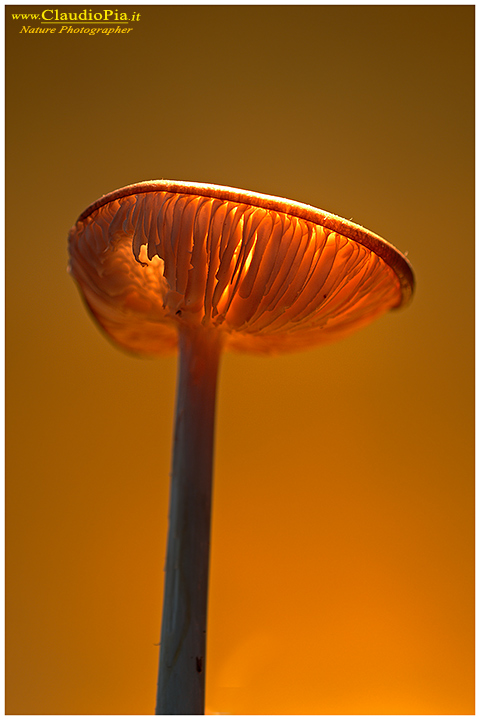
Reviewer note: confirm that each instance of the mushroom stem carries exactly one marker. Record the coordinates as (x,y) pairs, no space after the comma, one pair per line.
(181,675)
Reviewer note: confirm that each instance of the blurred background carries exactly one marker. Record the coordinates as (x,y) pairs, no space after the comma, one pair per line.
(342,549)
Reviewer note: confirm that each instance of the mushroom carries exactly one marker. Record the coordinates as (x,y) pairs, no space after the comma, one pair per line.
(205,267)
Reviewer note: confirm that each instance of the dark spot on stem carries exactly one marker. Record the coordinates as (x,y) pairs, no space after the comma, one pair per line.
(199,661)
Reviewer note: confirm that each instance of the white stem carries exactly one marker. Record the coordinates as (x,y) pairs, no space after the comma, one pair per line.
(181,675)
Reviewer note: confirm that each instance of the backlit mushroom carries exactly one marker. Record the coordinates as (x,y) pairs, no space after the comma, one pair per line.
(206,267)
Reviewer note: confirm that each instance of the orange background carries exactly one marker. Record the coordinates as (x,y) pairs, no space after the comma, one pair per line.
(342,557)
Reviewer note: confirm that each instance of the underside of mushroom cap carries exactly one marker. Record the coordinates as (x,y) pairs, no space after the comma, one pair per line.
(269,273)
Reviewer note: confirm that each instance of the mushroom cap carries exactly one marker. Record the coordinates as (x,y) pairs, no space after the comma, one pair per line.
(270,274)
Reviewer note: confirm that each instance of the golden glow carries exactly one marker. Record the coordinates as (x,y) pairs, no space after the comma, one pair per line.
(248,260)
(342,572)
(143,257)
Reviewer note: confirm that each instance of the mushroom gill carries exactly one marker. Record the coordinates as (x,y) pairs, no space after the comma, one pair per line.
(269,279)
